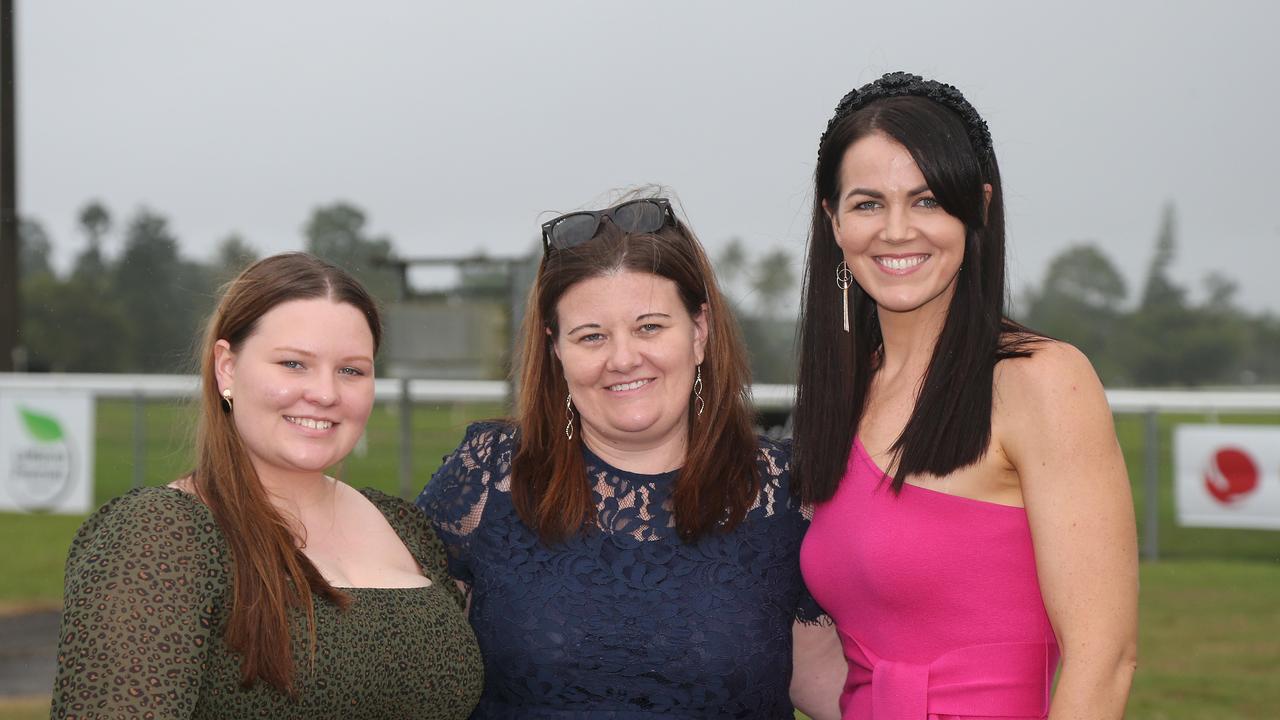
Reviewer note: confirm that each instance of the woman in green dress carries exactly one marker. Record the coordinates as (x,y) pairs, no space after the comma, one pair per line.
(257,585)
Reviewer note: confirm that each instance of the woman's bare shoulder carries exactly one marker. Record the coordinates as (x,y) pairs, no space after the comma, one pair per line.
(1049,395)
(1049,366)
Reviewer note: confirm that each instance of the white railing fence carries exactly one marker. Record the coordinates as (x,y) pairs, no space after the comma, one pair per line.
(773,399)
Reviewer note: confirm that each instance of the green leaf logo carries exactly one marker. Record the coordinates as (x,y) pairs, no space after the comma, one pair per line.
(41,427)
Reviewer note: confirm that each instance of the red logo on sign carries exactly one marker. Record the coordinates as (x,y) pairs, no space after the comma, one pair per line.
(1231,475)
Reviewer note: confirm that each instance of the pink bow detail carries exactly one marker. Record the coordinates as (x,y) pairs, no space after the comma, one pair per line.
(997,680)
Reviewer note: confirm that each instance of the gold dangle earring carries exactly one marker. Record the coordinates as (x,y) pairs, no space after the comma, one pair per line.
(568,408)
(697,391)
(226,400)
(844,278)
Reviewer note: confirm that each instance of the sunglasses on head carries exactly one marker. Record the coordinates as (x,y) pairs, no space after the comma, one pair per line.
(634,216)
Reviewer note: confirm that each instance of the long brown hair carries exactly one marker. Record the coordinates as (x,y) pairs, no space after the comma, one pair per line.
(718,481)
(271,576)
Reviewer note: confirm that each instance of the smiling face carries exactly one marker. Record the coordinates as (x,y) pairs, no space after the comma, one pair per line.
(302,385)
(904,250)
(629,349)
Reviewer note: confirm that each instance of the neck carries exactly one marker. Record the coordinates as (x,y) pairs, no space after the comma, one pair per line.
(910,338)
(297,495)
(643,457)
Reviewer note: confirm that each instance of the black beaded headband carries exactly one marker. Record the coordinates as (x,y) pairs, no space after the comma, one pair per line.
(897,84)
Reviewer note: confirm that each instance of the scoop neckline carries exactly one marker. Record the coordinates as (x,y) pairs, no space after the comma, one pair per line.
(593,458)
(344,588)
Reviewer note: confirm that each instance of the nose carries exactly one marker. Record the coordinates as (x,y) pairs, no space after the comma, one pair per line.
(897,224)
(624,355)
(323,390)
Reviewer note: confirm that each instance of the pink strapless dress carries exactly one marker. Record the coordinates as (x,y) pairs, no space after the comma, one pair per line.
(935,598)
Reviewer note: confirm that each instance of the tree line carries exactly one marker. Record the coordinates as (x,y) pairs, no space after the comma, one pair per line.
(1161,338)
(139,309)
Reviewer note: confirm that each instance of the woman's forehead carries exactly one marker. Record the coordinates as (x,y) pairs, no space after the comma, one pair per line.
(626,294)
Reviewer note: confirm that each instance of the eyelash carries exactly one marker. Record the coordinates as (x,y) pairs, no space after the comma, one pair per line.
(647,328)
(297,365)
(929,203)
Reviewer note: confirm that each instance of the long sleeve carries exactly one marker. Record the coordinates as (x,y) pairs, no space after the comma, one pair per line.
(144,579)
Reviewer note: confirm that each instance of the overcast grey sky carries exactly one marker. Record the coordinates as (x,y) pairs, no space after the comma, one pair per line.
(457,125)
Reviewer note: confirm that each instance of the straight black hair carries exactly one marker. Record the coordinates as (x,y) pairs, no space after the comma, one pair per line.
(950,425)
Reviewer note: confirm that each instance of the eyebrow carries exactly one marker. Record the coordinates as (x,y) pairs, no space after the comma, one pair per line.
(596,326)
(299,351)
(308,353)
(879,195)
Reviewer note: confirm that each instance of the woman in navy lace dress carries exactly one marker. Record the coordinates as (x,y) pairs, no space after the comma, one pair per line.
(629,546)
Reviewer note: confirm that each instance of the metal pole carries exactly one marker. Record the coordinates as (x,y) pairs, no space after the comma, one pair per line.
(406,440)
(139,439)
(1151,526)
(8,194)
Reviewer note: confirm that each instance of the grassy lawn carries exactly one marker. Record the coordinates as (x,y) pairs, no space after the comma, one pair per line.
(24,708)
(1209,645)
(1210,631)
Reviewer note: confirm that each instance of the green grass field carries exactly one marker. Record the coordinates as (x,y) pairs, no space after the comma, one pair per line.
(1210,623)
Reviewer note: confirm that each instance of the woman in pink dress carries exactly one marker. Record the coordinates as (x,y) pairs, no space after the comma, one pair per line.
(973,523)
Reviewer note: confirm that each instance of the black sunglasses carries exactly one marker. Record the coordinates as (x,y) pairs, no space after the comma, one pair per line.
(634,216)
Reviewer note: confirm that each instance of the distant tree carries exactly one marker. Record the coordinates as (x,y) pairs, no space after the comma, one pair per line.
(336,232)
(1221,293)
(34,250)
(1157,329)
(95,223)
(1079,302)
(234,254)
(731,264)
(71,326)
(770,347)
(772,281)
(1262,364)
(1169,342)
(1160,291)
(161,295)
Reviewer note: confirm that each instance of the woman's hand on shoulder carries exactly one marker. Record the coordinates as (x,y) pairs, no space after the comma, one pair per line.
(1056,429)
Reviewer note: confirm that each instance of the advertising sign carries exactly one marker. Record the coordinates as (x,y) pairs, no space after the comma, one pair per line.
(46,451)
(1228,475)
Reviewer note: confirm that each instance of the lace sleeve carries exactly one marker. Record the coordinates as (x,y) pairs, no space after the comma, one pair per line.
(776,488)
(455,498)
(144,577)
(416,533)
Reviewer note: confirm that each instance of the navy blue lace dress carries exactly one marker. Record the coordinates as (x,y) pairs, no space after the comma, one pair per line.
(627,622)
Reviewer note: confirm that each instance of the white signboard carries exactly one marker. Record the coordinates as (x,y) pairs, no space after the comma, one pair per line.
(46,451)
(1228,475)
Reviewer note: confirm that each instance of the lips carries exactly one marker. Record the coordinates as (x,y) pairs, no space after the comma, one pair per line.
(633,385)
(310,423)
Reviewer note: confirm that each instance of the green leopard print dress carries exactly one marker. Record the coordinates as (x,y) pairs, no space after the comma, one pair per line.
(147,592)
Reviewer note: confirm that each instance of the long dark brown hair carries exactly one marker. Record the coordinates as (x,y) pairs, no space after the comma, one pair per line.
(271,576)
(718,482)
(950,426)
